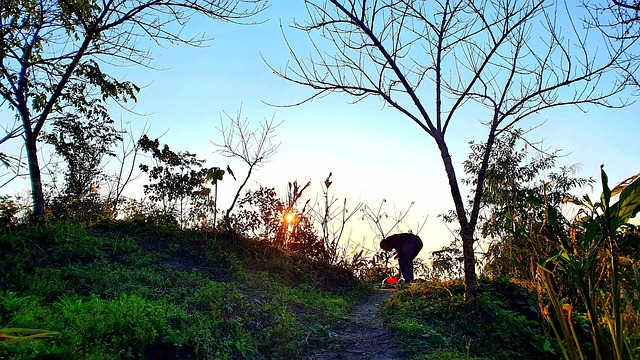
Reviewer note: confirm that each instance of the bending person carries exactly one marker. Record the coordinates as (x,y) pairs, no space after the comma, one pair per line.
(407,246)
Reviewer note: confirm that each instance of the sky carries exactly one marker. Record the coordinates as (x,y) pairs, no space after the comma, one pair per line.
(372,151)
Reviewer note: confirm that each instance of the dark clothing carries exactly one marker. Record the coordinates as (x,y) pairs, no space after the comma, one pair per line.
(408,246)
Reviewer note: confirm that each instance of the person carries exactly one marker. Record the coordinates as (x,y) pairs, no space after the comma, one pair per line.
(407,246)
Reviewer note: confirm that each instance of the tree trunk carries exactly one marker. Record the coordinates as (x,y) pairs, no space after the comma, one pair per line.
(467,227)
(227,215)
(37,193)
(470,280)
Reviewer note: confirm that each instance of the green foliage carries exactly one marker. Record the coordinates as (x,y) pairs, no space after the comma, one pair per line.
(9,210)
(255,325)
(10,301)
(305,295)
(83,144)
(91,286)
(433,317)
(122,326)
(450,355)
(590,271)
(50,53)
(42,47)
(377,271)
(179,183)
(518,189)
(149,215)
(446,263)
(26,251)
(86,210)
(263,215)
(599,261)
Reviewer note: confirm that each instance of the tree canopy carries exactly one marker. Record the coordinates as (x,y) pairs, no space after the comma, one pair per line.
(53,54)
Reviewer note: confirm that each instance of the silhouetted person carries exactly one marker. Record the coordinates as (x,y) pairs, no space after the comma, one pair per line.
(407,246)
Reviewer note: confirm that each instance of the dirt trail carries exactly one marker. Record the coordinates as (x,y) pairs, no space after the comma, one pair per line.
(364,336)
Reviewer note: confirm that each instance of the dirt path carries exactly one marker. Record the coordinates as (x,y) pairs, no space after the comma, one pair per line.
(364,336)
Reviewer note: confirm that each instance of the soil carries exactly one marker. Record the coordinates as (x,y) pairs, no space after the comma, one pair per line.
(363,336)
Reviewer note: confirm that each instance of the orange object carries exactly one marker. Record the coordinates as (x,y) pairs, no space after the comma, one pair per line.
(391,280)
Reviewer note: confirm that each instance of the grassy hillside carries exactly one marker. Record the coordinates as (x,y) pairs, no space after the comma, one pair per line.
(130,290)
(135,290)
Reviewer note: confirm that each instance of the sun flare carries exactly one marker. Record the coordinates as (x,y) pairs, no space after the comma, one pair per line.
(289,217)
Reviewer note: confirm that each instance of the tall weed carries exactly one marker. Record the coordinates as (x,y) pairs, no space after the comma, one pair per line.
(599,263)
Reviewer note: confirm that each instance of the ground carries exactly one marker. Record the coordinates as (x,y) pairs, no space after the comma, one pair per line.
(363,336)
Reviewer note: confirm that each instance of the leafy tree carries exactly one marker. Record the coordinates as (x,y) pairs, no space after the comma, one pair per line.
(9,209)
(260,214)
(83,145)
(447,263)
(499,60)
(518,190)
(264,216)
(51,54)
(179,181)
(99,162)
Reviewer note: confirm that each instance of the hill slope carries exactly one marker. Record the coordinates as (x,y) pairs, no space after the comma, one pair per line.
(135,291)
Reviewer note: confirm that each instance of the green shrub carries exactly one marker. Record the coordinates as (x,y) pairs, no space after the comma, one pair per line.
(10,302)
(433,316)
(9,211)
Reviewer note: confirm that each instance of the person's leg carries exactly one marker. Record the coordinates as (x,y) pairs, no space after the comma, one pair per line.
(406,268)
(406,254)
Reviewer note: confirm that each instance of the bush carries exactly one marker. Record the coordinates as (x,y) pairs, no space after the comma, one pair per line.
(9,211)
(434,316)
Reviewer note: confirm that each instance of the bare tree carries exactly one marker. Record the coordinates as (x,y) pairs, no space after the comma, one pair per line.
(51,52)
(618,21)
(332,217)
(504,60)
(125,166)
(252,146)
(384,222)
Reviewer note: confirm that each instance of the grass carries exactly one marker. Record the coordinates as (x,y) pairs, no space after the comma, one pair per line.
(433,321)
(131,291)
(135,290)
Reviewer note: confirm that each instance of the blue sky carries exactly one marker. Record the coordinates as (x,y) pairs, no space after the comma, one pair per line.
(373,152)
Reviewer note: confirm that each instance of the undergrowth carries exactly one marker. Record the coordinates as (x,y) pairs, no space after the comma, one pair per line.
(433,321)
(141,290)
(134,291)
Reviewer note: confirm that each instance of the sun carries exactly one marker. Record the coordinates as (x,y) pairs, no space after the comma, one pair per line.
(289,217)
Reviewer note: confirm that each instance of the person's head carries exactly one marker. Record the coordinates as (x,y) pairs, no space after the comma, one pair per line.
(385,245)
